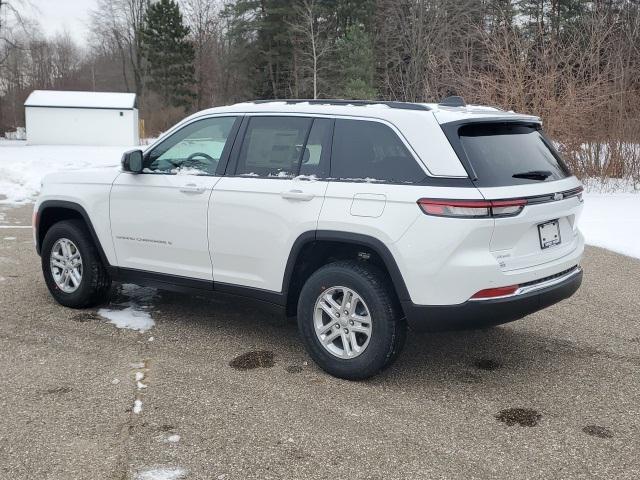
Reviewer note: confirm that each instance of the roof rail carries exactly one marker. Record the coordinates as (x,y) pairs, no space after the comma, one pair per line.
(453,101)
(328,101)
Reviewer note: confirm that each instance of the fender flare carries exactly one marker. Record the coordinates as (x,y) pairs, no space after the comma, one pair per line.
(48,204)
(368,241)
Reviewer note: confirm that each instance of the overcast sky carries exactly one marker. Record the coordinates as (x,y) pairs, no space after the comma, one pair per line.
(58,15)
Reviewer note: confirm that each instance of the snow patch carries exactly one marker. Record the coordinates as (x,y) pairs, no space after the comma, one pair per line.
(612,221)
(188,171)
(610,185)
(132,316)
(162,473)
(129,318)
(23,166)
(58,98)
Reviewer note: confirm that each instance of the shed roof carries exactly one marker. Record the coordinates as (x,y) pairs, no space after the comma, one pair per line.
(62,99)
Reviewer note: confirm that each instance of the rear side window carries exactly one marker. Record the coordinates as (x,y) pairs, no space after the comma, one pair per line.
(371,151)
(510,154)
(273,146)
(315,156)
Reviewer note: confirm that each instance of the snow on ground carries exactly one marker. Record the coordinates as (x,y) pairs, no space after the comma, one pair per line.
(175,438)
(129,318)
(22,166)
(612,221)
(162,473)
(131,313)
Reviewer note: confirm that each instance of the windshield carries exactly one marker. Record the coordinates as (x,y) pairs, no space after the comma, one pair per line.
(510,154)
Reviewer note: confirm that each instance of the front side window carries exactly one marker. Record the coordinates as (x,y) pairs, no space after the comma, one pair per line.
(371,151)
(195,149)
(273,146)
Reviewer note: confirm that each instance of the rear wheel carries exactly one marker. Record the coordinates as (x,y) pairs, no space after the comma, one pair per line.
(72,267)
(349,320)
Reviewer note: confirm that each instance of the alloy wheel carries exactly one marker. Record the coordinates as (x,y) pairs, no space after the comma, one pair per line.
(342,322)
(66,265)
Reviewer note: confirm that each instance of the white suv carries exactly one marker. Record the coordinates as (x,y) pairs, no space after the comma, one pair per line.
(359,217)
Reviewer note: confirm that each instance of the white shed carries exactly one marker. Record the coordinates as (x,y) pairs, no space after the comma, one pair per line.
(81,118)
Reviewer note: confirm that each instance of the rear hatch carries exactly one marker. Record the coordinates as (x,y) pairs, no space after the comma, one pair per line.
(513,159)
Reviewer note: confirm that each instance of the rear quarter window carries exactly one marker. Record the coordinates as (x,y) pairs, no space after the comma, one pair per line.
(502,154)
(371,151)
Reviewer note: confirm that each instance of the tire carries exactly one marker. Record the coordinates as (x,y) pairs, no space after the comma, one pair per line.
(94,285)
(387,326)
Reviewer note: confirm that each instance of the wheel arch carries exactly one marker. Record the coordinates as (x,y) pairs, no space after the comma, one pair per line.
(311,249)
(51,212)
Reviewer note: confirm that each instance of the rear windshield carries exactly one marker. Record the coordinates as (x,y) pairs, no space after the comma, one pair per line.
(510,154)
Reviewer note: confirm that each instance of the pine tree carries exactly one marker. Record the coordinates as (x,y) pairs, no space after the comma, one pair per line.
(169,53)
(355,52)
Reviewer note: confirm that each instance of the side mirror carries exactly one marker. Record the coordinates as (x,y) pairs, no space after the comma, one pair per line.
(132,161)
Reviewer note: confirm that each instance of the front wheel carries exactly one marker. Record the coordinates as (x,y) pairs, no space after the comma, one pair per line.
(349,320)
(72,267)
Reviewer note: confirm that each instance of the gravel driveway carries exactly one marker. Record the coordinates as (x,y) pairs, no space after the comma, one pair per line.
(222,389)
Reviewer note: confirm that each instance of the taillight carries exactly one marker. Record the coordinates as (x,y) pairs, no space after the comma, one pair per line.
(471,208)
(506,208)
(495,292)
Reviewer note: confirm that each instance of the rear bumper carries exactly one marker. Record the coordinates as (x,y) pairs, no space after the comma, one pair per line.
(477,314)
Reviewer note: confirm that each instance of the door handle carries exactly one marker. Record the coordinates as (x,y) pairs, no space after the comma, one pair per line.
(192,188)
(297,195)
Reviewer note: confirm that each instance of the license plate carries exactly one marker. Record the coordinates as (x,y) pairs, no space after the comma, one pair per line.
(549,234)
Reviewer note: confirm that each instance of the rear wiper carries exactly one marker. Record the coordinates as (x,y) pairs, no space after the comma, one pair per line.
(534,175)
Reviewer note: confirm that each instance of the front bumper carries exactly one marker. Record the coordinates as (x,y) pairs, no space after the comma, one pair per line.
(478,314)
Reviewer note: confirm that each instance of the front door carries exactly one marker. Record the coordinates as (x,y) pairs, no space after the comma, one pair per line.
(159,216)
(272,194)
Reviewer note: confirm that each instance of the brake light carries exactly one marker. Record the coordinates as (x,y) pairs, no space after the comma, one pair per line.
(472,208)
(495,292)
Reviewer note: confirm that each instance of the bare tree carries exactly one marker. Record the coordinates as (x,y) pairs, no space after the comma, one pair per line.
(12,22)
(202,16)
(315,44)
(116,26)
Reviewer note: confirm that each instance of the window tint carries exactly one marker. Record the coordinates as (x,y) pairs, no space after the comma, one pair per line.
(273,146)
(497,152)
(315,155)
(194,149)
(371,150)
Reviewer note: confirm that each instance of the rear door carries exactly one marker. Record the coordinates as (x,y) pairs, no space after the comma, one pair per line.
(514,160)
(271,194)
(369,162)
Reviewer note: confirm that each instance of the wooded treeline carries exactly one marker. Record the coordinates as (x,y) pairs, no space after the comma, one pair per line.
(574,63)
